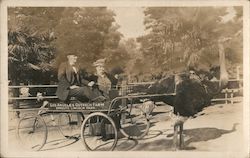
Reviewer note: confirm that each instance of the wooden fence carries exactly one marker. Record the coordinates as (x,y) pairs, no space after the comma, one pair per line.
(229,94)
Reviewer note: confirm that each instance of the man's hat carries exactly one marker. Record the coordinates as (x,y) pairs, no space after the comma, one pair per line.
(71,54)
(100,62)
(192,72)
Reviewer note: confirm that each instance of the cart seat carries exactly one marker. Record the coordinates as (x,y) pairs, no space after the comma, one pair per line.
(113,93)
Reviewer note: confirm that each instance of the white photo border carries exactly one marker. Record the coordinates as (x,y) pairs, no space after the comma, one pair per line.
(5,152)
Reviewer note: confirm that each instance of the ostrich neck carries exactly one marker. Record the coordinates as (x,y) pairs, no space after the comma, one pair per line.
(213,87)
(223,71)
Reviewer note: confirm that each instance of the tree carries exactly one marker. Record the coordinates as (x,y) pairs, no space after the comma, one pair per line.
(181,37)
(28,54)
(31,44)
(89,32)
(115,51)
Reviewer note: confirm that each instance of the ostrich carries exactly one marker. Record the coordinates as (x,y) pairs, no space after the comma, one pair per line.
(192,95)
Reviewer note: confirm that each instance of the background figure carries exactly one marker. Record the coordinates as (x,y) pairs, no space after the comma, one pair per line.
(73,84)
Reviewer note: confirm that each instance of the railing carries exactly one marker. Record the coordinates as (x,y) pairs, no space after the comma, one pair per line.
(229,96)
(32,97)
(125,88)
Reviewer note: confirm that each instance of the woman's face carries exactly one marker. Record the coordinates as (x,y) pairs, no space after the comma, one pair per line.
(100,70)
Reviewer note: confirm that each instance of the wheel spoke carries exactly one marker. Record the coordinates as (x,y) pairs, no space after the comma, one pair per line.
(99,132)
(135,125)
(32,132)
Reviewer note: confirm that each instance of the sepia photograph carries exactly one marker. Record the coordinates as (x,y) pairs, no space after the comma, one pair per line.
(125,79)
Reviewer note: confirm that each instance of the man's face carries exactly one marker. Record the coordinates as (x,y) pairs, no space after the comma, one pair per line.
(72,59)
(192,74)
(100,70)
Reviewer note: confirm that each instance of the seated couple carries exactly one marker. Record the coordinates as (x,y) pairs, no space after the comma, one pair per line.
(73,83)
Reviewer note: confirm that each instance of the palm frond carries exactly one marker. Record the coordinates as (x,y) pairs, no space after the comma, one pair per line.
(34,67)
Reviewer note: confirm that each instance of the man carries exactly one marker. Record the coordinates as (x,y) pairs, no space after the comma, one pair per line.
(194,76)
(105,83)
(73,84)
(104,80)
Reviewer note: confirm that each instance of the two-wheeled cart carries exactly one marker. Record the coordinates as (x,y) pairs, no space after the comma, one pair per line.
(99,130)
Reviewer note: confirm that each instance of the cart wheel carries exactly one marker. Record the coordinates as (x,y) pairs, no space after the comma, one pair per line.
(134,122)
(69,124)
(32,132)
(99,132)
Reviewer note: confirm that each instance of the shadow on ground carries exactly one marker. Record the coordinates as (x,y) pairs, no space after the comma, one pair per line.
(205,134)
(158,112)
(126,144)
(60,143)
(191,135)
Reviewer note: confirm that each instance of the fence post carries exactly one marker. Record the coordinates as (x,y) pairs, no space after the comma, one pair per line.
(232,95)
(226,90)
(16,103)
(238,72)
(124,101)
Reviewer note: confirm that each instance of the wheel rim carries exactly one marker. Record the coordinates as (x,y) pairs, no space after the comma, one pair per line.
(32,132)
(99,132)
(68,125)
(135,124)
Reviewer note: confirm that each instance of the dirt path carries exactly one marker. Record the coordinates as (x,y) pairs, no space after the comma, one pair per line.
(218,129)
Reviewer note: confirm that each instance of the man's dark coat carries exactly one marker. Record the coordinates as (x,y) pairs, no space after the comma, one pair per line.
(66,79)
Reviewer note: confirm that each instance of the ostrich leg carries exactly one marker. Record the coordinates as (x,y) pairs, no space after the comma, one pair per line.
(181,140)
(178,140)
(175,138)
